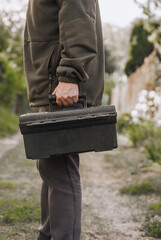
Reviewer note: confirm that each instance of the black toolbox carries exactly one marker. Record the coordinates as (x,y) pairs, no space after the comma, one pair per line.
(69,131)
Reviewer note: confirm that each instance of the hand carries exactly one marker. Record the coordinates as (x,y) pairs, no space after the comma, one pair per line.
(66,93)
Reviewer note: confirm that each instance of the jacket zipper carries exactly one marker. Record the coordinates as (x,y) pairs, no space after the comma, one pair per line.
(50,83)
(52,65)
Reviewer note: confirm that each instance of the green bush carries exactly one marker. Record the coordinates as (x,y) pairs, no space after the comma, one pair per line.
(123,122)
(139,47)
(144,133)
(8,122)
(141,133)
(153,148)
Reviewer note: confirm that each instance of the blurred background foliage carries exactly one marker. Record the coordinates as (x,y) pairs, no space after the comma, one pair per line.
(13,99)
(12,78)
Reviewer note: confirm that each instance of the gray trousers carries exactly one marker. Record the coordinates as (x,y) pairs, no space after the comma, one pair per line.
(60,197)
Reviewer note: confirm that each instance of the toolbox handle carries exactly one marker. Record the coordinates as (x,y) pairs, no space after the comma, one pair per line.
(52,98)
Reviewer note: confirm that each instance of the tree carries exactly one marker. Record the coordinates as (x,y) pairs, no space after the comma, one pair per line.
(149,7)
(152,10)
(139,47)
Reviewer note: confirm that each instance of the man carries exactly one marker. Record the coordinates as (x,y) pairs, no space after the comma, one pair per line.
(63,54)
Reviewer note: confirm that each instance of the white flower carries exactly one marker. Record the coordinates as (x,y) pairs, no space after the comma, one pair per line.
(150,103)
(138,106)
(152,94)
(157,100)
(135,120)
(134,113)
(159,122)
(144,107)
(144,93)
(142,99)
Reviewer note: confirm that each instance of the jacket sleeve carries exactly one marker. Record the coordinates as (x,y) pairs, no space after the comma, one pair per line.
(77,29)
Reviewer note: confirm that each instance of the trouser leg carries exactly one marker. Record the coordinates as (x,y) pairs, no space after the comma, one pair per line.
(45,218)
(61,214)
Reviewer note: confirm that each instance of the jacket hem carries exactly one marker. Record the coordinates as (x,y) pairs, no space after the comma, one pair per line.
(68,80)
(39,103)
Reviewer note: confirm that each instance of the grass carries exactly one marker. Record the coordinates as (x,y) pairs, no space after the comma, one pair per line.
(155,209)
(6,185)
(26,163)
(148,186)
(19,231)
(152,226)
(152,229)
(8,122)
(19,211)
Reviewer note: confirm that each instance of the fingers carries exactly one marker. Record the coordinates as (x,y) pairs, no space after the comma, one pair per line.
(66,94)
(66,101)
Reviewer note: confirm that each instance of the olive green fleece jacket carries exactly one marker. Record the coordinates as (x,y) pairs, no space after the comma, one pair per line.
(63,42)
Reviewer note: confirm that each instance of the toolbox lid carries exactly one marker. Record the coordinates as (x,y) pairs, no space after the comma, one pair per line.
(33,122)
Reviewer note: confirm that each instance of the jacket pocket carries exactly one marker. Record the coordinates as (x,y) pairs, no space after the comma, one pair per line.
(54,60)
(37,56)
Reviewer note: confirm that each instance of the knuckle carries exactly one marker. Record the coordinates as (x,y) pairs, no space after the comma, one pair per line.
(65,104)
(58,101)
(75,99)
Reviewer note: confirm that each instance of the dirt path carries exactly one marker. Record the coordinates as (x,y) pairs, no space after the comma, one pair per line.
(107,215)
(9,142)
